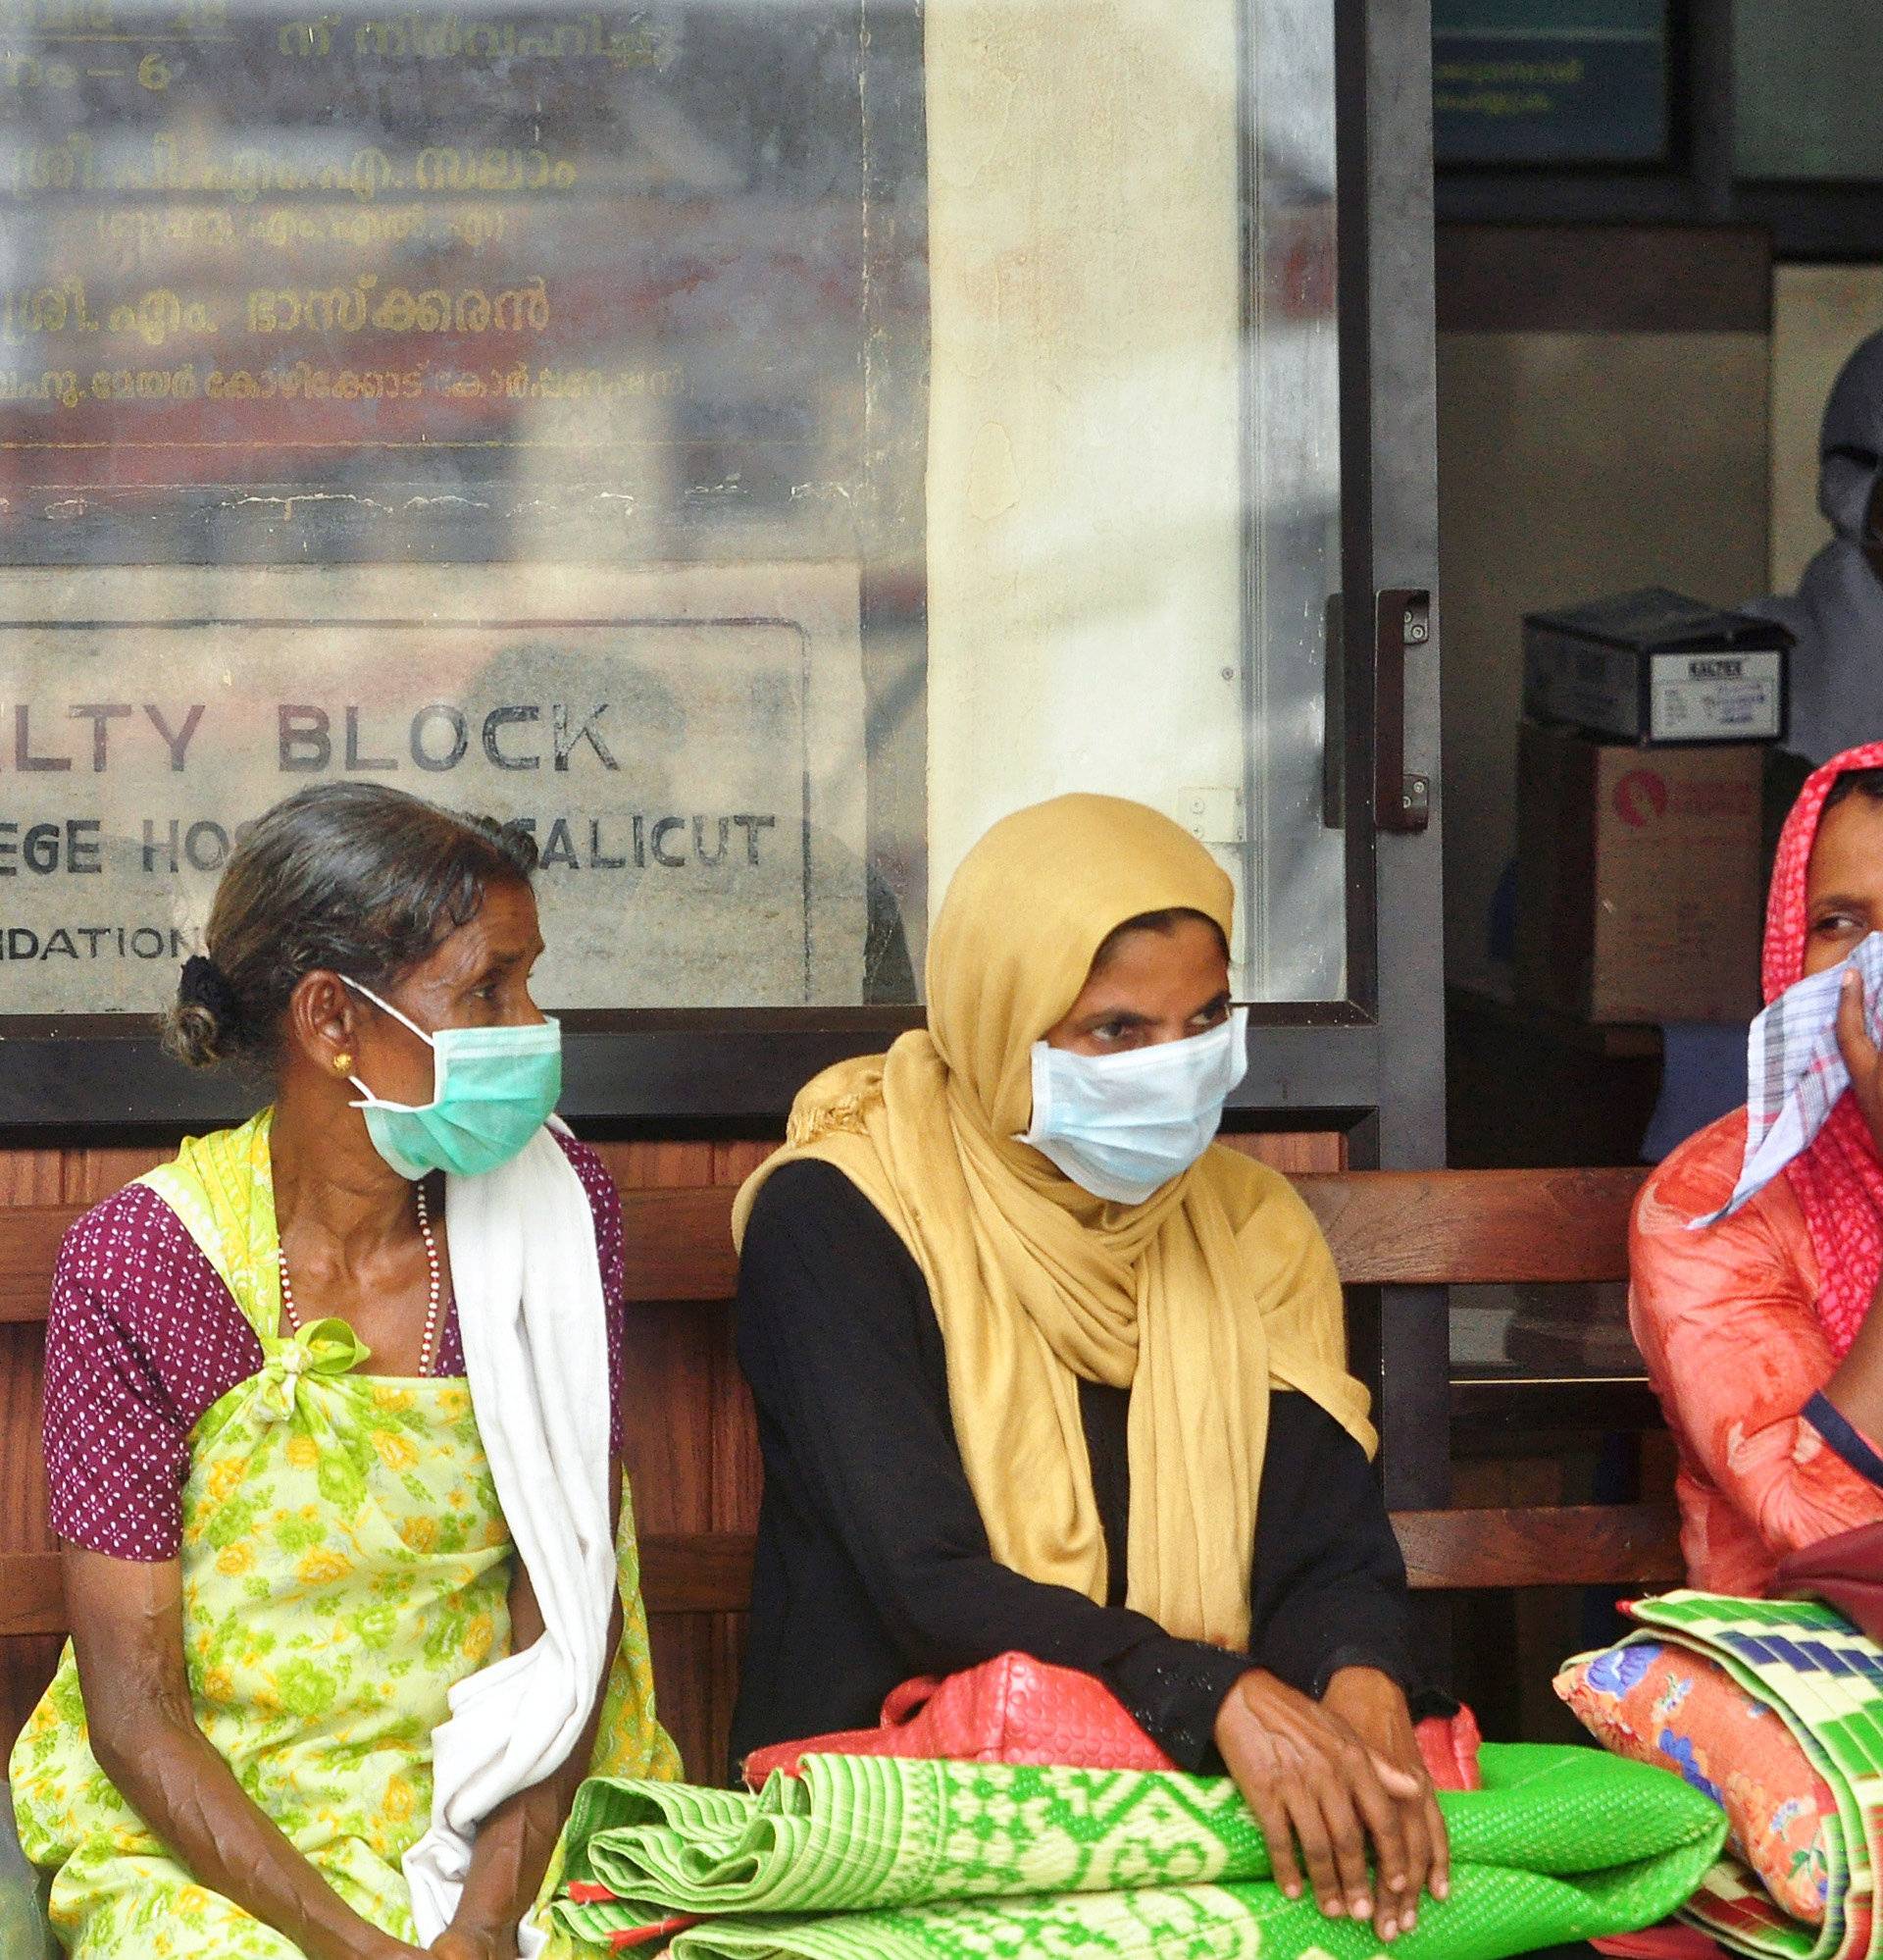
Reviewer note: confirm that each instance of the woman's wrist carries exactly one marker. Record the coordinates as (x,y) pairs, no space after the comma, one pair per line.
(364,1943)
(1371,1663)
(1855,1386)
(477,1939)
(1235,1708)
(485,1922)
(1370,1701)
(1361,1679)
(514,1846)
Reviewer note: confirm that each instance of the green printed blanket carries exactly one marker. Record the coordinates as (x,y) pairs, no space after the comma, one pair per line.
(873,1858)
(1824,1679)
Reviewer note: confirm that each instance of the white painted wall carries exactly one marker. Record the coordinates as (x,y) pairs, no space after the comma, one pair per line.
(1085,475)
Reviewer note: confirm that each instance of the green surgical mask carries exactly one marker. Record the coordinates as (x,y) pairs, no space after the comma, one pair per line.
(493,1089)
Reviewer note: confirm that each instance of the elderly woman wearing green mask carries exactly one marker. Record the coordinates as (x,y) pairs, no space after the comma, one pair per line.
(351,1617)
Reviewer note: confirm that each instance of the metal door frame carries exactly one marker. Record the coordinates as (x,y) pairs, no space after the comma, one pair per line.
(1389,488)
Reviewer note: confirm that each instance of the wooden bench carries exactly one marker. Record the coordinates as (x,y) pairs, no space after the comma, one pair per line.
(692,1448)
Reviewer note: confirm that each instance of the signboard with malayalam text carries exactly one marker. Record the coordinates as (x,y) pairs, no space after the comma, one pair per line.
(521,405)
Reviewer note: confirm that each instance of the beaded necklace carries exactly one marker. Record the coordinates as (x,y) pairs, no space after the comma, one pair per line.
(427,1350)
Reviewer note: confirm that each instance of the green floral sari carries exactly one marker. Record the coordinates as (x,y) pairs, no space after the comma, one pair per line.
(345,1563)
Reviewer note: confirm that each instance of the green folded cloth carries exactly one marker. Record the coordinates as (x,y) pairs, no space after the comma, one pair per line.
(872,1858)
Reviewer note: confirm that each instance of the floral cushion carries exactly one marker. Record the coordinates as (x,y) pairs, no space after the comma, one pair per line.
(1669,1706)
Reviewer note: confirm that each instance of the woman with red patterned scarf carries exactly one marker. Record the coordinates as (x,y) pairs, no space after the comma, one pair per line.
(1756,1330)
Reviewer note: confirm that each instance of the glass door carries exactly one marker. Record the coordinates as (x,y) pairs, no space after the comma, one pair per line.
(754,445)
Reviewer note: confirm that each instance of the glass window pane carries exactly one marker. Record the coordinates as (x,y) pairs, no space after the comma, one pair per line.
(1548,1333)
(1808,90)
(755,444)
(1134,495)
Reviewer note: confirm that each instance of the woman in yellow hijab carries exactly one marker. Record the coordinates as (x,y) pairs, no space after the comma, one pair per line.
(1040,1369)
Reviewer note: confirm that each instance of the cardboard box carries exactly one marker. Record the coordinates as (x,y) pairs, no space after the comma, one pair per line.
(1638,878)
(1652,666)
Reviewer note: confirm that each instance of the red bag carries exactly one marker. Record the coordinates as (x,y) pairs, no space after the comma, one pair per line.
(1449,1745)
(1010,1710)
(1018,1710)
(1668,1941)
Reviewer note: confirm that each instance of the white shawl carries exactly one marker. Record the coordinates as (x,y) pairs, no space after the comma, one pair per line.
(528,1281)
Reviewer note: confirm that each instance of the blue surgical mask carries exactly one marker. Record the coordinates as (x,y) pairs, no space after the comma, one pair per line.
(1122,1125)
(493,1089)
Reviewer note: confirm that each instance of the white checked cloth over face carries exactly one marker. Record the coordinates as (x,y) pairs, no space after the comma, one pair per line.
(1833,1170)
(1795,1072)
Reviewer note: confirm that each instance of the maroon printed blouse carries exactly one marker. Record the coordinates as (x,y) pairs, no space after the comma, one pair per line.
(142,1337)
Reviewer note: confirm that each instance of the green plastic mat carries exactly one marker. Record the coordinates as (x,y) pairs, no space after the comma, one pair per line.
(1824,1679)
(872,1858)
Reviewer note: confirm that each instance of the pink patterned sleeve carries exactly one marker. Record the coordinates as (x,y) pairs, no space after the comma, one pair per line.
(1726,1323)
(116,1444)
(604,1201)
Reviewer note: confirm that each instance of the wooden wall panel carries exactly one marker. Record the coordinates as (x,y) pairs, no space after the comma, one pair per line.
(33,1177)
(737,1478)
(1294,1153)
(25,1665)
(669,1430)
(686,1653)
(691,1445)
(669,1416)
(28,1246)
(733,1162)
(24,1676)
(92,1175)
(659,1166)
(23,1475)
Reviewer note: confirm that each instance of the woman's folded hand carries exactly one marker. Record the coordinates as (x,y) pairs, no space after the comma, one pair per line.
(456,1943)
(384,1947)
(1373,1705)
(1325,1789)
(369,1943)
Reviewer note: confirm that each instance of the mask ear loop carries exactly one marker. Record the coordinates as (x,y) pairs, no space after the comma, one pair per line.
(386,1007)
(372,1101)
(1041,1079)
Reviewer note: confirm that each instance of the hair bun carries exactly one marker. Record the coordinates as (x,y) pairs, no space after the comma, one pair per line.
(205,985)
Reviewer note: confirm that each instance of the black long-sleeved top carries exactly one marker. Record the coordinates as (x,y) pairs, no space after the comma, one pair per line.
(873,1561)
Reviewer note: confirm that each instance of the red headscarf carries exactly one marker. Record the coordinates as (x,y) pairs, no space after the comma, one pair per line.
(1839,1180)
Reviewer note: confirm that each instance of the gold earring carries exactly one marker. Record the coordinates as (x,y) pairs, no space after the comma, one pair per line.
(342,1065)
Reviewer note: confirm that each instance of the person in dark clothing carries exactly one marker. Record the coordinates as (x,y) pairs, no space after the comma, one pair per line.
(1038,1368)
(1836,681)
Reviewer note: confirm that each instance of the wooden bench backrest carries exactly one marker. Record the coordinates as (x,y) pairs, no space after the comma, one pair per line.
(694,1454)
(1384,1227)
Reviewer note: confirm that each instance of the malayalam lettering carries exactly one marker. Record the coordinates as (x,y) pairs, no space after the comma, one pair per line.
(523,405)
(617,271)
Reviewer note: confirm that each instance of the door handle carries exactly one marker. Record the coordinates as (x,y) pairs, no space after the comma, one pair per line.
(1401,627)
(1334,716)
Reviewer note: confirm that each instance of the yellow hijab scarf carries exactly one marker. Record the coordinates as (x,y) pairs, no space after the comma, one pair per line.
(1201,1300)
